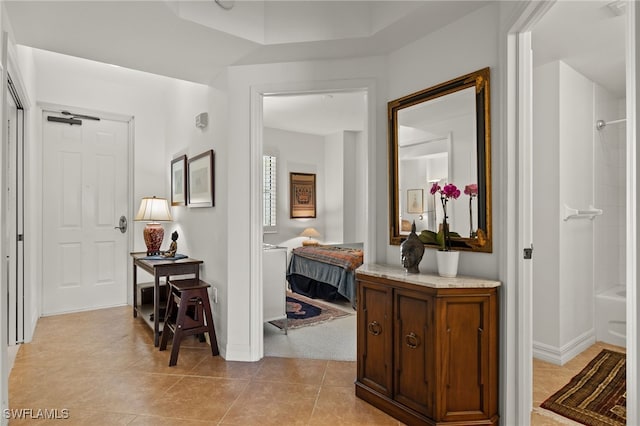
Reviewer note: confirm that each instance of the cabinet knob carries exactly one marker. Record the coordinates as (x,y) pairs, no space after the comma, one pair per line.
(412,340)
(375,328)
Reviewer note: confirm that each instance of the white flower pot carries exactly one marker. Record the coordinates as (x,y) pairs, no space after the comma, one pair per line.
(447,263)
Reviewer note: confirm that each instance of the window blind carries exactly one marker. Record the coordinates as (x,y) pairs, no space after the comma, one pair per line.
(269,173)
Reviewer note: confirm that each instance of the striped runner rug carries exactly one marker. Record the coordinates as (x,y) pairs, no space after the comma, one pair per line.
(597,395)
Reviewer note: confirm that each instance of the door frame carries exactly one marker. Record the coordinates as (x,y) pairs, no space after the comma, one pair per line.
(130,121)
(519,124)
(256,337)
(633,210)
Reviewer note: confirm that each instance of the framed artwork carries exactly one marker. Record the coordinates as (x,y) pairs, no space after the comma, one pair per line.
(179,181)
(200,182)
(415,201)
(302,195)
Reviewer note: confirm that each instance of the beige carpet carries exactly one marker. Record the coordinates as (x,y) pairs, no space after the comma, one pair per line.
(332,340)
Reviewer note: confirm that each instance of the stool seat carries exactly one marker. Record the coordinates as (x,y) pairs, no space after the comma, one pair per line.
(191,299)
(188,284)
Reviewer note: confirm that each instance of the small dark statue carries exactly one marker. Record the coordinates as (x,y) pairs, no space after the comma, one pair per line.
(173,248)
(412,250)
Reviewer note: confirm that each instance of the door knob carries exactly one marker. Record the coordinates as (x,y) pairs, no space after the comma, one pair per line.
(122,224)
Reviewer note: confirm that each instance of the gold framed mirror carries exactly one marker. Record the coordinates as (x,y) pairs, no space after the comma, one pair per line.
(442,135)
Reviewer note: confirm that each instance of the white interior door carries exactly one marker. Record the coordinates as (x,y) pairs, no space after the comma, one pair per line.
(84,195)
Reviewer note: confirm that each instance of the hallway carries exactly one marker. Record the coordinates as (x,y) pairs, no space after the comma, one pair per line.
(102,367)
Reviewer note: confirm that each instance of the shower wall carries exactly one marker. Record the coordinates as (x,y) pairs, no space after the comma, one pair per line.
(609,152)
(572,167)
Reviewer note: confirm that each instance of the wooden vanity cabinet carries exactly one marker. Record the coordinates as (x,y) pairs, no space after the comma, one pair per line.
(428,355)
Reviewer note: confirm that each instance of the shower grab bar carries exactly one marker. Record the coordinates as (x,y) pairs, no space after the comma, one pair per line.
(590,213)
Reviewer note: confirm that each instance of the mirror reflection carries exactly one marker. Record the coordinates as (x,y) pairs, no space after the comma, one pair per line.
(441,136)
(437,144)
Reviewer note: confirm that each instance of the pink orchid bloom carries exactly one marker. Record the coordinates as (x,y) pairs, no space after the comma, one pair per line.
(471,189)
(451,191)
(435,188)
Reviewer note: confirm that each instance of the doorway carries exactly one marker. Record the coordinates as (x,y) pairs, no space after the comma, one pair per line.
(15,215)
(575,85)
(85,193)
(521,37)
(319,134)
(367,218)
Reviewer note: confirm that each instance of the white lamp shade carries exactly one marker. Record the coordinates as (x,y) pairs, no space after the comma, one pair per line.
(153,209)
(310,232)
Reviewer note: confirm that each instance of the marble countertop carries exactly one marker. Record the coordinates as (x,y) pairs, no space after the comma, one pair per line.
(398,273)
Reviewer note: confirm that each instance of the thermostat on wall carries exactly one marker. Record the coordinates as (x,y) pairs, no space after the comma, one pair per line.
(202,120)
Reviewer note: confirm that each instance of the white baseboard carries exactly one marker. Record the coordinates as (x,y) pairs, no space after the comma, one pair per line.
(231,352)
(560,356)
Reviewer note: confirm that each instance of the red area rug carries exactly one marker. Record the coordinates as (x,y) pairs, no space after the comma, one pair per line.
(597,395)
(303,312)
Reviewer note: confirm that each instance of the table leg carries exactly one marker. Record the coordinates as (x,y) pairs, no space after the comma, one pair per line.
(135,289)
(156,310)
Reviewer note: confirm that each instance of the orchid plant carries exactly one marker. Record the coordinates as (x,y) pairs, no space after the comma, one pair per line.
(472,191)
(449,191)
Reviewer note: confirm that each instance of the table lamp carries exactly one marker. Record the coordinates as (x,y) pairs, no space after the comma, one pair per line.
(153,210)
(310,233)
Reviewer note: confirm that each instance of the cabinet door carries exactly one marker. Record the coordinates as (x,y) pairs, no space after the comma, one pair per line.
(374,336)
(466,338)
(414,351)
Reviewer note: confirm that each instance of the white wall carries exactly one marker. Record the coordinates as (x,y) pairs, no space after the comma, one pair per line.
(464,46)
(546,211)
(344,204)
(33,186)
(354,221)
(576,189)
(334,176)
(298,153)
(203,232)
(564,128)
(4,364)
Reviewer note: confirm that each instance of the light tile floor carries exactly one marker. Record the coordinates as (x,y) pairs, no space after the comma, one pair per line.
(102,367)
(549,378)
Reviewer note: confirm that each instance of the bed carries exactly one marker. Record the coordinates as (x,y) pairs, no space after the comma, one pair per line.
(326,272)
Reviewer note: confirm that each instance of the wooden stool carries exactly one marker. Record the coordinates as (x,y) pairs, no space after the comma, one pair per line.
(191,298)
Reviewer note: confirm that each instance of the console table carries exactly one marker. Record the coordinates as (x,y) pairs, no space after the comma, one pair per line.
(157,268)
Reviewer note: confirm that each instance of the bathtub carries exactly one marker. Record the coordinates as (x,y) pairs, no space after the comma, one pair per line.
(611,316)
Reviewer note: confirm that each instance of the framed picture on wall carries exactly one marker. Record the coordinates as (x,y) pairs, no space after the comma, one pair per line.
(179,181)
(200,182)
(302,195)
(415,201)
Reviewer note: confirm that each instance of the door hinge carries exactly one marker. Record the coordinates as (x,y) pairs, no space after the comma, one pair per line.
(528,252)
(20,237)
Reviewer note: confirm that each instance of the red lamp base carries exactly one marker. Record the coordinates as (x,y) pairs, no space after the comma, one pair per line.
(153,236)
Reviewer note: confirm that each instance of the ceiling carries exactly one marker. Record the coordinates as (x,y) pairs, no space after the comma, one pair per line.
(319,114)
(197,40)
(588,36)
